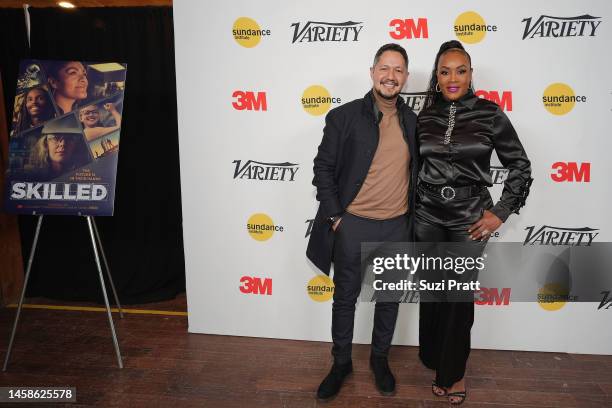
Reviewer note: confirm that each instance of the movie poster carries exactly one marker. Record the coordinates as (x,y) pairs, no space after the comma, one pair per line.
(64,142)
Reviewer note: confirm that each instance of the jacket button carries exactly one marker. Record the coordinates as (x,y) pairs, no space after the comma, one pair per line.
(358,184)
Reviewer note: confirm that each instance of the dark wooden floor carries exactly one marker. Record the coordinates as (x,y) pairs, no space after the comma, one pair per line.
(166,367)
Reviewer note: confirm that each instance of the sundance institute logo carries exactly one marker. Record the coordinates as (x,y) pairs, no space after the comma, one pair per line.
(471,28)
(247,32)
(261,227)
(316,100)
(560,99)
(554,296)
(320,288)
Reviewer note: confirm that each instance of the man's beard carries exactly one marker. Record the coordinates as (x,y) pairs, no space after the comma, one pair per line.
(387,97)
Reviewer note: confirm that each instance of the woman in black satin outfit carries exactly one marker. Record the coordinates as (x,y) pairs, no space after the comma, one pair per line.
(458,132)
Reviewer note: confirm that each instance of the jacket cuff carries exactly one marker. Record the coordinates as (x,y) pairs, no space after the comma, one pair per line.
(331,208)
(501,212)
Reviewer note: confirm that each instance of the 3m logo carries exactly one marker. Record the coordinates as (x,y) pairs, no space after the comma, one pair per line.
(571,172)
(490,296)
(250,100)
(409,29)
(256,286)
(504,101)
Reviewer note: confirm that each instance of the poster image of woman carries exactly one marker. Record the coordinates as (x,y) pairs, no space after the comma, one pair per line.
(68,83)
(60,149)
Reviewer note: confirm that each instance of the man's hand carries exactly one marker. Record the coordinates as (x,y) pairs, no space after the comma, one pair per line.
(482,228)
(335,224)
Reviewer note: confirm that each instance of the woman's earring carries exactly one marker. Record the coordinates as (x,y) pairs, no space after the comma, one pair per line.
(438,87)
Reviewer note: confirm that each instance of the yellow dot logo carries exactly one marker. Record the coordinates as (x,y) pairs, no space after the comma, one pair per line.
(316,100)
(247,32)
(560,99)
(261,227)
(320,288)
(471,28)
(553,296)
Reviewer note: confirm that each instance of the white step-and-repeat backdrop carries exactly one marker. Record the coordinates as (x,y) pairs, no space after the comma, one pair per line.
(255,80)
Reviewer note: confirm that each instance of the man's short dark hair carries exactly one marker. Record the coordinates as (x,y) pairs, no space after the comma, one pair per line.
(391,47)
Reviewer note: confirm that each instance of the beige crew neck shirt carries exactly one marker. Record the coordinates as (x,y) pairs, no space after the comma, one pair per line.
(384,193)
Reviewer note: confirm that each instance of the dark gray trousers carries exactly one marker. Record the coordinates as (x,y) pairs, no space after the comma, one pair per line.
(351,232)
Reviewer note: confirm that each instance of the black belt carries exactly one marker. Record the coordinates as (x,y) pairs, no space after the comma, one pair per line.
(452,193)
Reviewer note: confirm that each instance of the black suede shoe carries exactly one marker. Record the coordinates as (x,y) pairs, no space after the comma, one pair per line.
(385,382)
(332,383)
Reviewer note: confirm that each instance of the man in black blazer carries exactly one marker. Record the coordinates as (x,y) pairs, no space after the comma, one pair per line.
(365,173)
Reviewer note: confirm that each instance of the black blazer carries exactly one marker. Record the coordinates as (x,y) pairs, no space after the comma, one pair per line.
(350,139)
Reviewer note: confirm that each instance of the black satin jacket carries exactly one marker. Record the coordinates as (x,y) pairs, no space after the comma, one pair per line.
(480,126)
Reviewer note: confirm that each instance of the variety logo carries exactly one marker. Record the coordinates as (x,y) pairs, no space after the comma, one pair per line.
(504,100)
(252,285)
(415,100)
(571,172)
(549,26)
(560,98)
(250,100)
(315,31)
(408,28)
(261,227)
(309,227)
(554,296)
(471,28)
(254,170)
(547,235)
(320,288)
(606,301)
(498,174)
(316,100)
(490,296)
(247,32)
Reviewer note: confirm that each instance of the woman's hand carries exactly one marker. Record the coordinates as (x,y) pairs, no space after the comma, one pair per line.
(482,228)
(110,107)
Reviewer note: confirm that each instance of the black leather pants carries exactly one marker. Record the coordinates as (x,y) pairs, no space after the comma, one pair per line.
(444,327)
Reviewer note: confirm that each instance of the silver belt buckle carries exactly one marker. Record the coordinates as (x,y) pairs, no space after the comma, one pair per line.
(446,196)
